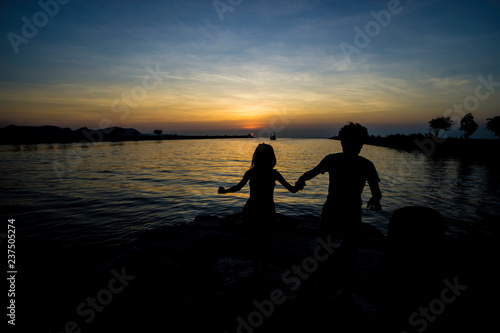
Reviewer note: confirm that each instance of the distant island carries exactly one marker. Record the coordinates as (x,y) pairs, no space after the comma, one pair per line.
(13,134)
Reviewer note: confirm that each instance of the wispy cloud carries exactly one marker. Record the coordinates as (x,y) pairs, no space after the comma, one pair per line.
(263,57)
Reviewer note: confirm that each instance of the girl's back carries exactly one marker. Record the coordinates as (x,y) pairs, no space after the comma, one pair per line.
(262,183)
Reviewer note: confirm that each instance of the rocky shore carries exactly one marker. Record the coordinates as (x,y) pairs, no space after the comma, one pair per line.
(198,276)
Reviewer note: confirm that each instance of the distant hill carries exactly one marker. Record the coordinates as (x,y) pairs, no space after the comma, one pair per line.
(13,134)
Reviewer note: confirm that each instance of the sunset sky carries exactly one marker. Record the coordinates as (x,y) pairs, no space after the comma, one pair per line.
(301,68)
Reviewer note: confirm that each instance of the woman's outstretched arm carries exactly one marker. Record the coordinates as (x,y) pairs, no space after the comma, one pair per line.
(236,187)
(374,202)
(308,175)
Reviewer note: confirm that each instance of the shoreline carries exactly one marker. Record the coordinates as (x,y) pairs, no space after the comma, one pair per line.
(16,135)
(4,141)
(430,146)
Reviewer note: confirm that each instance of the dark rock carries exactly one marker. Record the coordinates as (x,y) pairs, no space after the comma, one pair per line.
(199,276)
(416,225)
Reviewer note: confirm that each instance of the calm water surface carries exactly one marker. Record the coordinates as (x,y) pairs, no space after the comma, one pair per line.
(74,195)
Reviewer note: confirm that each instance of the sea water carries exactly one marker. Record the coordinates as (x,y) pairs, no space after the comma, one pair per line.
(70,195)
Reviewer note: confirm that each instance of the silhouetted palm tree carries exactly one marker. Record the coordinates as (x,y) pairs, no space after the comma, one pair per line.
(440,123)
(468,125)
(493,125)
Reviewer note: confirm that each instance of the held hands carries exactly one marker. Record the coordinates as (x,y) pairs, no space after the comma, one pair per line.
(299,185)
(221,190)
(374,204)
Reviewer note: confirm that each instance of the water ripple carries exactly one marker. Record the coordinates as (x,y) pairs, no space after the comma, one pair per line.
(118,190)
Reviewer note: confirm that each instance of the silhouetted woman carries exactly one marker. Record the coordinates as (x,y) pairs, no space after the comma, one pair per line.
(259,213)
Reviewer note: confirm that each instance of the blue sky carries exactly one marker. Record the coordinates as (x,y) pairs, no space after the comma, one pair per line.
(267,64)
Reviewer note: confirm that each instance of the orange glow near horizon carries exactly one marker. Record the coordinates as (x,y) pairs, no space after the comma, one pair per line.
(207,109)
(199,76)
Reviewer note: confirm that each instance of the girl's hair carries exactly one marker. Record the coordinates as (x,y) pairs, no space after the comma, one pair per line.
(264,157)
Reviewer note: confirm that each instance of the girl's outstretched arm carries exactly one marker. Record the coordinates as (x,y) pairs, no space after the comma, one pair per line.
(282,181)
(236,187)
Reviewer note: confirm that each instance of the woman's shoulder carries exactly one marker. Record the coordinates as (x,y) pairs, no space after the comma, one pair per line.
(364,160)
(332,158)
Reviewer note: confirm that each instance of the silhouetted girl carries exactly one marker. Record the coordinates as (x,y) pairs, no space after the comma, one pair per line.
(259,213)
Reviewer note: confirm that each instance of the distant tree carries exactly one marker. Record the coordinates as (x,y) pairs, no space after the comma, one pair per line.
(468,125)
(493,125)
(158,132)
(440,123)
